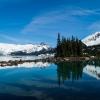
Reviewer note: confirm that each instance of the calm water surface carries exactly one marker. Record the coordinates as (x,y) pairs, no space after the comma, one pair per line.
(45,81)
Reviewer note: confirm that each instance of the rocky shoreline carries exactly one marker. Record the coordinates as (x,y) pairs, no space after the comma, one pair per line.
(49,59)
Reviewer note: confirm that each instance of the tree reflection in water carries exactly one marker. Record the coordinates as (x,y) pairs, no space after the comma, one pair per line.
(69,71)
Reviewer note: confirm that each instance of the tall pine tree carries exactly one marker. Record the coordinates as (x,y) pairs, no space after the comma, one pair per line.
(58,49)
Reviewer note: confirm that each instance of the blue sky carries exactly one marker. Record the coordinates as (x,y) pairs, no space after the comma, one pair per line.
(35,21)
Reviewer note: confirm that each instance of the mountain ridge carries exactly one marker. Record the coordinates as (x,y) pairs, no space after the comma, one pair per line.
(7,49)
(93,39)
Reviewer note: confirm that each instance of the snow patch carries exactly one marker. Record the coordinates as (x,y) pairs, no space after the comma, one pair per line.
(93,39)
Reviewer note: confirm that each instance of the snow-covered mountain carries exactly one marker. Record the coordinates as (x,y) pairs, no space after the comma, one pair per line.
(93,39)
(6,49)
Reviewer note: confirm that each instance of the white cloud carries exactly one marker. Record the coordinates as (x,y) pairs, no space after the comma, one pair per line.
(95,26)
(9,38)
(44,20)
(85,12)
(13,39)
(48,19)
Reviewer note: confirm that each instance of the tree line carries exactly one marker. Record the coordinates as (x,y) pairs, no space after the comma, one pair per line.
(68,47)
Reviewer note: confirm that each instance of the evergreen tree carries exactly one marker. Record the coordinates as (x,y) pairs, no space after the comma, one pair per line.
(58,49)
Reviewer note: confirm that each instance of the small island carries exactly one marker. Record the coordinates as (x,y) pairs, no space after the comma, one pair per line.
(67,50)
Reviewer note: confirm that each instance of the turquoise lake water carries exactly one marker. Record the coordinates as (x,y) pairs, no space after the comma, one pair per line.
(45,81)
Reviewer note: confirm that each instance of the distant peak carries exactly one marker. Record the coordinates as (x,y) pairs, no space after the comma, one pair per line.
(42,43)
